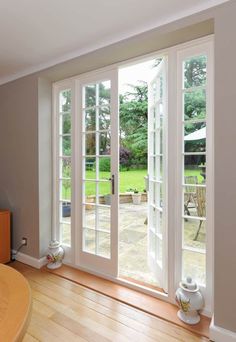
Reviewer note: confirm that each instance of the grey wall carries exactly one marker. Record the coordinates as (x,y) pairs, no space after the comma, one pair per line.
(19,159)
(225,167)
(21,117)
(45,163)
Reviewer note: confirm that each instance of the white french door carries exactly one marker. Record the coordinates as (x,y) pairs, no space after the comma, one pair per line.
(98,148)
(157,118)
(86,166)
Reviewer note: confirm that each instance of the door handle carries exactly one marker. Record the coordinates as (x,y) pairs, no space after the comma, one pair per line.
(112,179)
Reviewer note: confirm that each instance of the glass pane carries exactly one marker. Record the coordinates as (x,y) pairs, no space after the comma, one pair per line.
(89,216)
(90,95)
(195,71)
(104,144)
(65,124)
(194,265)
(90,189)
(89,239)
(152,243)
(158,141)
(159,250)
(159,194)
(65,189)
(159,168)
(104,244)
(194,233)
(65,211)
(159,222)
(90,119)
(195,137)
(195,166)
(65,168)
(104,168)
(65,101)
(104,118)
(153,219)
(65,146)
(90,168)
(66,233)
(195,105)
(105,193)
(90,144)
(104,218)
(104,92)
(194,198)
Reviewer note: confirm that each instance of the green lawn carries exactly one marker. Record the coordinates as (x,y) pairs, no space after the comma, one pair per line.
(128,179)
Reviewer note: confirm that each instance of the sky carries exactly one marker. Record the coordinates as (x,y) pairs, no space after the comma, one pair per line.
(134,73)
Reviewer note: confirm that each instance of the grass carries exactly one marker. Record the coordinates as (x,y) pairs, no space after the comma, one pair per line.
(133,179)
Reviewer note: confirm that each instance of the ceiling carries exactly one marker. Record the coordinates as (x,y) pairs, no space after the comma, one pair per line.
(35,34)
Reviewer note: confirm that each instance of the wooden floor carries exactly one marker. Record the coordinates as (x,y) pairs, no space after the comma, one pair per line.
(144,302)
(65,311)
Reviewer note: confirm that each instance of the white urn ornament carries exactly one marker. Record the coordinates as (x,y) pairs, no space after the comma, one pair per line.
(55,255)
(190,301)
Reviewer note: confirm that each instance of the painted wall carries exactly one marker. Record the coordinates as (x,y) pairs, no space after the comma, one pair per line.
(19,160)
(20,151)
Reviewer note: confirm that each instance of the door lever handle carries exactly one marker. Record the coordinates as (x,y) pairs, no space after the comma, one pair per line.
(112,179)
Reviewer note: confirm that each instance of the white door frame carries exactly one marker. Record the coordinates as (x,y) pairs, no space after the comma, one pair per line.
(174,236)
(83,259)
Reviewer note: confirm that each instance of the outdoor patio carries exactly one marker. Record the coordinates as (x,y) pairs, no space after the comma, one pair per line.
(133,260)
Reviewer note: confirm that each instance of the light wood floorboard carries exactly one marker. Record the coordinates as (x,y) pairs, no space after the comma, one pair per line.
(65,311)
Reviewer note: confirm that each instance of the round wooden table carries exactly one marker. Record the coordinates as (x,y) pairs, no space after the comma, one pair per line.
(15,304)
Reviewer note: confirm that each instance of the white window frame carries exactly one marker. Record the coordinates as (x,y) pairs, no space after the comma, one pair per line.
(183,54)
(174,190)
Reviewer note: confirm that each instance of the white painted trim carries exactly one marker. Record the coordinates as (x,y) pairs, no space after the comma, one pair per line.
(29,260)
(218,334)
(106,42)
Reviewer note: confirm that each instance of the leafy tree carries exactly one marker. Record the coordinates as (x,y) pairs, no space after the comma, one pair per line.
(134,121)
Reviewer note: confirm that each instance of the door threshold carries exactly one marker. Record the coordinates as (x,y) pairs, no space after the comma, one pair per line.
(141,284)
(141,301)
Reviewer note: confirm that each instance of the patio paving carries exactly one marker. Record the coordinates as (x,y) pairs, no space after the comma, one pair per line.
(133,256)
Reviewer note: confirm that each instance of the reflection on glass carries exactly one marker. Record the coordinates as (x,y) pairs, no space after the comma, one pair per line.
(194,232)
(104,244)
(195,137)
(90,188)
(105,193)
(104,144)
(89,237)
(65,146)
(195,166)
(194,265)
(90,144)
(90,119)
(65,101)
(104,218)
(90,167)
(195,105)
(89,216)
(65,168)
(65,124)
(195,71)
(104,118)
(66,233)
(65,189)
(104,92)
(90,95)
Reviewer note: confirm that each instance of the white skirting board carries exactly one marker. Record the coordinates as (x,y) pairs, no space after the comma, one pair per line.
(28,260)
(218,334)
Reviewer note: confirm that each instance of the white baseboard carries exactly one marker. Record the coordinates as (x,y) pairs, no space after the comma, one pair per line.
(218,334)
(28,260)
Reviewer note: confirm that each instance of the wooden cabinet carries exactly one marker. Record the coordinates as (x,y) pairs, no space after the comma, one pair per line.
(5,238)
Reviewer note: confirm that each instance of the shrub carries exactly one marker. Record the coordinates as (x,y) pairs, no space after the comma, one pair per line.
(105,164)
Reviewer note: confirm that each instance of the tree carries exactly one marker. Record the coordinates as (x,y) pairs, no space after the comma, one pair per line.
(134,120)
